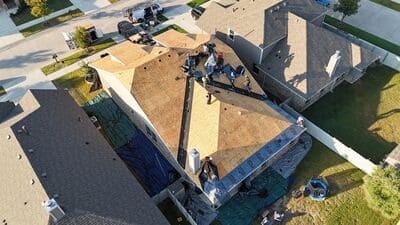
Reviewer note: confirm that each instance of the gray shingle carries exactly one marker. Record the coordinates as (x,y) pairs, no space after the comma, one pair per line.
(93,185)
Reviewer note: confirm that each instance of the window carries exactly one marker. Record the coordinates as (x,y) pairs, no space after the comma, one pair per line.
(231,34)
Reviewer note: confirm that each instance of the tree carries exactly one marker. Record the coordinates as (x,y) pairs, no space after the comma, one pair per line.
(38,7)
(82,38)
(383,191)
(346,7)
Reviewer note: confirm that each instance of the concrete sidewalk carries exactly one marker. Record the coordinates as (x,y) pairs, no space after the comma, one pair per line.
(375,19)
(88,6)
(49,17)
(8,31)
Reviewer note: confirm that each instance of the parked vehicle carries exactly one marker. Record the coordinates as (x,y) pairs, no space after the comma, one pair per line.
(127,29)
(140,15)
(197,12)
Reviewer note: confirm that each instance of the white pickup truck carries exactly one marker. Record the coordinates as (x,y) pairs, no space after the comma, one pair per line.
(143,12)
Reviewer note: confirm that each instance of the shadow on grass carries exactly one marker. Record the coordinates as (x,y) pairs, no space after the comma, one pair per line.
(349,112)
(344,181)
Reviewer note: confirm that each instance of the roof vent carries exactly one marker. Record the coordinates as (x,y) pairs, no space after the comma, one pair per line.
(19,156)
(25,130)
(30,150)
(32,181)
(333,63)
(54,210)
(194,161)
(8,137)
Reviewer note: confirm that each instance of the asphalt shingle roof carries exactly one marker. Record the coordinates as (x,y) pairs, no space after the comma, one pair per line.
(51,149)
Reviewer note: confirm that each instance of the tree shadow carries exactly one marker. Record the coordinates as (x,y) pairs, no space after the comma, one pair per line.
(109,14)
(24,60)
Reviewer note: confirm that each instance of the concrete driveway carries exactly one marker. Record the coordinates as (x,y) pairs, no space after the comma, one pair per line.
(376,19)
(8,31)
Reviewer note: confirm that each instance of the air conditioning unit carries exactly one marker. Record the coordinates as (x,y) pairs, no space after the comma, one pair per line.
(54,210)
(194,161)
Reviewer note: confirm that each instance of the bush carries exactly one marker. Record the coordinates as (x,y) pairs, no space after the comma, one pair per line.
(81,37)
(383,191)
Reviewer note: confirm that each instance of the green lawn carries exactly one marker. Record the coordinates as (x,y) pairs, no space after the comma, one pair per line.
(162,18)
(113,1)
(364,116)
(77,56)
(195,3)
(389,4)
(346,204)
(76,85)
(25,14)
(174,26)
(387,45)
(52,22)
(2,91)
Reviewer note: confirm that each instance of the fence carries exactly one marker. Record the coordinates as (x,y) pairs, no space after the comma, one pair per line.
(332,143)
(387,58)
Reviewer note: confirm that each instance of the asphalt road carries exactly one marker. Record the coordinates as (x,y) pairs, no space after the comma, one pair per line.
(20,62)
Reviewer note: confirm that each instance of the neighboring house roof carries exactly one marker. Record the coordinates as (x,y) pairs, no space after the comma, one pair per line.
(259,22)
(231,129)
(5,110)
(50,149)
(300,60)
(394,157)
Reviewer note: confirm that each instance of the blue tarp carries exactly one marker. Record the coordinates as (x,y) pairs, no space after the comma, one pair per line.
(154,171)
(243,209)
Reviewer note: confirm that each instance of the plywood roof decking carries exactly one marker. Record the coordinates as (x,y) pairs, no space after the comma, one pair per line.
(175,39)
(127,56)
(228,130)
(217,130)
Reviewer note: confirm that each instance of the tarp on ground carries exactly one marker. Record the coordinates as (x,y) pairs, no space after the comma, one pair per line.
(115,123)
(243,209)
(153,170)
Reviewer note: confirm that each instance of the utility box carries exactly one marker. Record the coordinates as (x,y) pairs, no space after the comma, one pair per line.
(194,161)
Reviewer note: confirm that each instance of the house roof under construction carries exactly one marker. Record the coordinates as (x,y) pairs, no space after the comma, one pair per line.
(50,149)
(300,60)
(231,129)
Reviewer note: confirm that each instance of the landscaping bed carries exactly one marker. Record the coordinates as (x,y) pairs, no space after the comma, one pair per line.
(52,22)
(76,85)
(174,26)
(195,3)
(81,54)
(364,116)
(2,91)
(24,15)
(375,40)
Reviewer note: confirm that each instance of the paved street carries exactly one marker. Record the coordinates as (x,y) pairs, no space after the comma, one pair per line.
(24,58)
(376,19)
